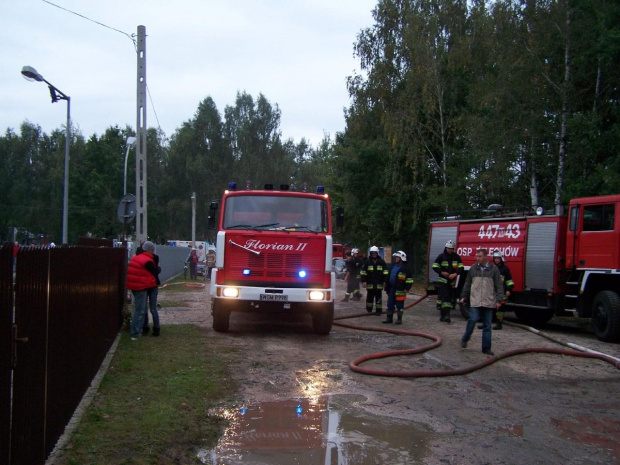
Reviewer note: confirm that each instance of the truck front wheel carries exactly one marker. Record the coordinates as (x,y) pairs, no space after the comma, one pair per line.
(323,319)
(221,316)
(606,316)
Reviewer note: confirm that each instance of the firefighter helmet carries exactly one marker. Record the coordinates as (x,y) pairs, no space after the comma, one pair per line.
(402,255)
(498,254)
(374,248)
(354,251)
(449,244)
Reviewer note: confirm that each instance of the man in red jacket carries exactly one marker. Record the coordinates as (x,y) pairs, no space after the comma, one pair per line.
(141,276)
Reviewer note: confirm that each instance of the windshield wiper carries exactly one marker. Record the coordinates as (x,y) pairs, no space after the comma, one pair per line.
(240,226)
(260,226)
(306,228)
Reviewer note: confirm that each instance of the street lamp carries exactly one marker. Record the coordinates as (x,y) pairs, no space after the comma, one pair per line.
(131,142)
(31,74)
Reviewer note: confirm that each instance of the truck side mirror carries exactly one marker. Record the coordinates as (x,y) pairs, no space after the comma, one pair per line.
(339,217)
(574,219)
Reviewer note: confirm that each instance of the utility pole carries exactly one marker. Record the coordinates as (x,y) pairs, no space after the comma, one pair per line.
(193,219)
(141,214)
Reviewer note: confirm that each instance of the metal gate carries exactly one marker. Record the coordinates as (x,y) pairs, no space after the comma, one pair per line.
(66,313)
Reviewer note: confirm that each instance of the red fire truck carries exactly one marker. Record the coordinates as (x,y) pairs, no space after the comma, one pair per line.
(274,254)
(340,251)
(561,263)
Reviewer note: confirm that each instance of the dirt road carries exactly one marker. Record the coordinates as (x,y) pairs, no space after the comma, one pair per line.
(530,409)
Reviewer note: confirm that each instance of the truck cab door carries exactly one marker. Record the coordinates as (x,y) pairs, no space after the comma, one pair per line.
(593,236)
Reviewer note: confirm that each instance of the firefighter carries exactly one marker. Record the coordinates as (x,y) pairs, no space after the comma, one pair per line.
(398,281)
(448,266)
(354,267)
(507,282)
(373,275)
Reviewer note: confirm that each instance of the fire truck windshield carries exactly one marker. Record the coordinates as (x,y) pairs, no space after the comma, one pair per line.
(288,213)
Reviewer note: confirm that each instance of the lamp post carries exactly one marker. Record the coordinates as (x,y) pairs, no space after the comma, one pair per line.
(31,74)
(131,142)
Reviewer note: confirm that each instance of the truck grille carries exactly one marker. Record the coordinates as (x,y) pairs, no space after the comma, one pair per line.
(273,265)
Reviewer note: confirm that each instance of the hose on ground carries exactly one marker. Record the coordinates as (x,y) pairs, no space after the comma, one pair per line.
(355,364)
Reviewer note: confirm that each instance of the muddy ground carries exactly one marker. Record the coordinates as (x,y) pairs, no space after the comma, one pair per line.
(528,409)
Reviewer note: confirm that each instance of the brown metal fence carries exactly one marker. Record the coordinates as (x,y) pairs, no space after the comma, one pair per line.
(68,304)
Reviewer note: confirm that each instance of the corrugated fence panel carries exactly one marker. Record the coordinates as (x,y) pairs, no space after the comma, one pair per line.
(6,343)
(69,303)
(29,376)
(171,260)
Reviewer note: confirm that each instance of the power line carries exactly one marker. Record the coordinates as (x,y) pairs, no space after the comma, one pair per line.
(131,37)
(92,20)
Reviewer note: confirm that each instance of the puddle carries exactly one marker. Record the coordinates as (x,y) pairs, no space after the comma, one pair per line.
(328,430)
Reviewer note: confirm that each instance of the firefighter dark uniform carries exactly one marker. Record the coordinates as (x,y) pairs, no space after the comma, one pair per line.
(507,282)
(448,266)
(397,283)
(354,268)
(373,275)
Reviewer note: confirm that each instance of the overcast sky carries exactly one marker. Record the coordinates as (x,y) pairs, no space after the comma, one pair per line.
(298,53)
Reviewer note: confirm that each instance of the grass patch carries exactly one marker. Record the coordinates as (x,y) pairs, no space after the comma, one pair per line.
(152,406)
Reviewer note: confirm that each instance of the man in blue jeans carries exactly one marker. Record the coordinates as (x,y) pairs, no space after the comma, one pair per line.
(483,288)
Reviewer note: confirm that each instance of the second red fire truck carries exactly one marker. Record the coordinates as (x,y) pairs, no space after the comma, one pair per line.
(561,263)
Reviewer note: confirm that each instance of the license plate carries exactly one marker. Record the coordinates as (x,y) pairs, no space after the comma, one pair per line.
(274,297)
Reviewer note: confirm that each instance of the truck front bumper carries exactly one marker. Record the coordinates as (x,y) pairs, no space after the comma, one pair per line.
(271,294)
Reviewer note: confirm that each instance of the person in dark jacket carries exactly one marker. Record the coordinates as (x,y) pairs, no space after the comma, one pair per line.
(373,275)
(354,268)
(192,260)
(141,273)
(448,266)
(507,282)
(397,283)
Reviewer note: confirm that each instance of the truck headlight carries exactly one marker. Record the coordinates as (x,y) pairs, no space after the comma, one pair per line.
(316,295)
(230,292)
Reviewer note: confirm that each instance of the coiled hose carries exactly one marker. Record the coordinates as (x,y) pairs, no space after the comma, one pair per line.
(576,351)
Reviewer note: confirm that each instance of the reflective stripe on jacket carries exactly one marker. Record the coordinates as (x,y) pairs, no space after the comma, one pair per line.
(374,273)
(403,283)
(450,263)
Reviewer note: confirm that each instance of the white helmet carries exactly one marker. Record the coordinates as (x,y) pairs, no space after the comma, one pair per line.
(402,255)
(449,244)
(498,254)
(374,248)
(355,251)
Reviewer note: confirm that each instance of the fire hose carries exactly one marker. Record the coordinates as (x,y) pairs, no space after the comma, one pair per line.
(574,351)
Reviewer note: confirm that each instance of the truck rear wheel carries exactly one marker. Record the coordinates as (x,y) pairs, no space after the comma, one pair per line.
(221,316)
(323,319)
(606,316)
(534,317)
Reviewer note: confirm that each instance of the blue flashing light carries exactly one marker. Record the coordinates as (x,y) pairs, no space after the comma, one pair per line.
(246,272)
(232,186)
(320,189)
(243,410)
(302,273)
(299,410)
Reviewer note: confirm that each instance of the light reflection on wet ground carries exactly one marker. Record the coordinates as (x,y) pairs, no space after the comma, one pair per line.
(328,430)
